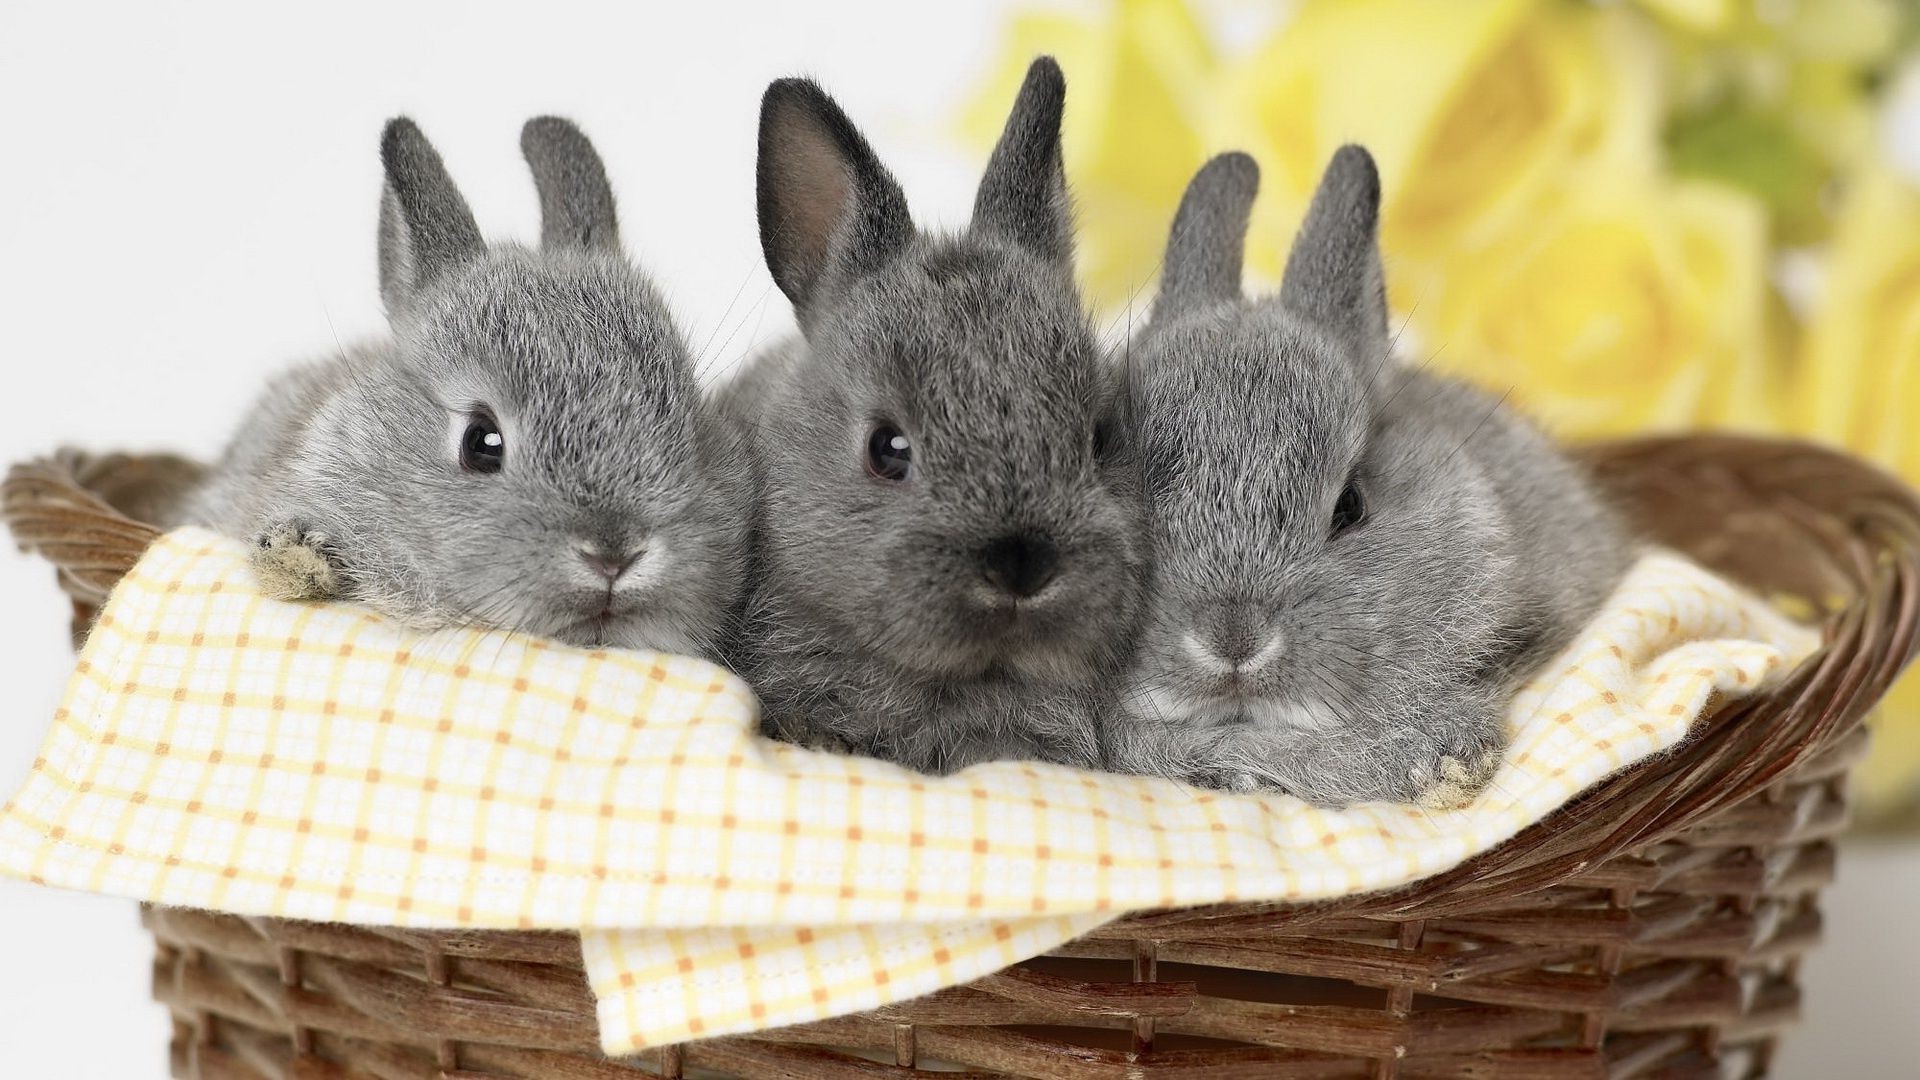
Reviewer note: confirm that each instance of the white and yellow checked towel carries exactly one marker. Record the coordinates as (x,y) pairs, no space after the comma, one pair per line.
(221,750)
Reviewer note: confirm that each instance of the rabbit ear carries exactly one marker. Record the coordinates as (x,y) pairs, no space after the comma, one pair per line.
(1023,195)
(825,201)
(425,226)
(1209,236)
(1333,275)
(576,203)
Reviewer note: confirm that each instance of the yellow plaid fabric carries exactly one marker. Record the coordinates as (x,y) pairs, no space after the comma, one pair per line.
(218,749)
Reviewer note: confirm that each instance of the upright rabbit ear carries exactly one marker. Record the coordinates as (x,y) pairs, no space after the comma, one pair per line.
(825,201)
(1209,236)
(425,226)
(1333,275)
(1023,195)
(576,202)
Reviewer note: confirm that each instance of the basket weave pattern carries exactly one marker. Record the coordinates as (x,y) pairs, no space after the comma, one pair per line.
(1652,928)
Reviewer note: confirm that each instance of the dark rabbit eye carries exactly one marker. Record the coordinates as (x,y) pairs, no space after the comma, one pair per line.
(1103,438)
(1350,509)
(889,454)
(482,448)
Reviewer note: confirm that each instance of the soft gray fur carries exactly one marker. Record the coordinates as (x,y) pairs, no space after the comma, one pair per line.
(618,515)
(874,626)
(1370,663)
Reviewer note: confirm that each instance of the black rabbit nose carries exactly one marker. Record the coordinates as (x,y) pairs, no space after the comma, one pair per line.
(1021,564)
(608,562)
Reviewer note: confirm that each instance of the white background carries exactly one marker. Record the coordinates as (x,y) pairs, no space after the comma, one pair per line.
(187,202)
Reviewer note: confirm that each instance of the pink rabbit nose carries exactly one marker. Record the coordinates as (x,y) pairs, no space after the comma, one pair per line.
(608,562)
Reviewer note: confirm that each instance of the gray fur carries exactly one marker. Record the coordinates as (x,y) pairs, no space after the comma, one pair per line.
(1371,664)
(425,225)
(872,626)
(1023,194)
(1206,248)
(830,213)
(608,446)
(1333,276)
(576,202)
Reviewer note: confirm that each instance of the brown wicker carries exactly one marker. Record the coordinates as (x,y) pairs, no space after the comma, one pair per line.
(1653,928)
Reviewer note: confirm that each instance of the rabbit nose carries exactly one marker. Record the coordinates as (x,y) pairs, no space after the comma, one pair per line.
(609,561)
(1021,564)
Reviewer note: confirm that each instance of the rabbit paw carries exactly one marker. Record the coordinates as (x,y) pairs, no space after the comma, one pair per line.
(1224,778)
(1451,783)
(796,731)
(292,562)
(825,742)
(1242,783)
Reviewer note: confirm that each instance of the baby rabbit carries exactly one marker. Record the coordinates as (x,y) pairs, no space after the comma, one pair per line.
(528,451)
(1354,563)
(947,571)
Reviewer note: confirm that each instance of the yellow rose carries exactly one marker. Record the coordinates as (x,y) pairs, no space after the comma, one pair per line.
(1778,98)
(1860,368)
(1625,304)
(1859,388)
(1138,83)
(1831,28)
(1705,16)
(1473,108)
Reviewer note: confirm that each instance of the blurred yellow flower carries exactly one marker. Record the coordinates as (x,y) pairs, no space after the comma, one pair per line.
(1627,303)
(1777,98)
(1473,109)
(1706,16)
(1826,26)
(1859,374)
(1859,387)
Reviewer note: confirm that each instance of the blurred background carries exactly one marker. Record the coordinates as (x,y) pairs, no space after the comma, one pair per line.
(1633,215)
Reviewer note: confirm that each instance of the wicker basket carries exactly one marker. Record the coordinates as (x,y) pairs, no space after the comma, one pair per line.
(1653,928)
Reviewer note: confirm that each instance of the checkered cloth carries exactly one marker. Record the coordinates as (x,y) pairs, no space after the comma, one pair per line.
(221,750)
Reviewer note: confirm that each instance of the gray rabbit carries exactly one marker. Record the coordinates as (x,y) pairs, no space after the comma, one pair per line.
(1354,562)
(948,568)
(529,450)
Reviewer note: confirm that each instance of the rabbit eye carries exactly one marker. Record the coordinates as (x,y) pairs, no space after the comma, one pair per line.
(1103,439)
(482,448)
(889,453)
(1349,510)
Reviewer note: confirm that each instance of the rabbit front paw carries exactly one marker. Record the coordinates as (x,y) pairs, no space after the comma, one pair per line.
(825,742)
(1451,783)
(1409,762)
(1443,757)
(1216,777)
(294,562)
(795,729)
